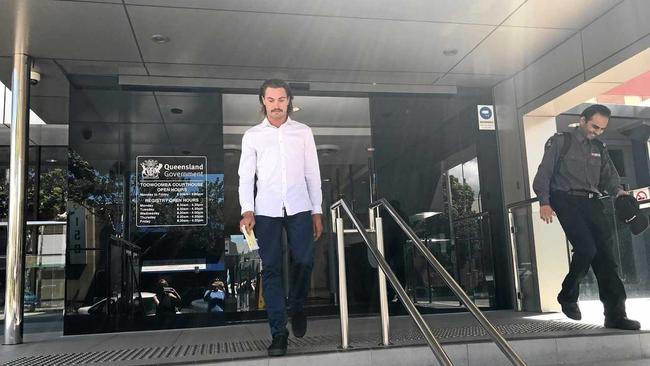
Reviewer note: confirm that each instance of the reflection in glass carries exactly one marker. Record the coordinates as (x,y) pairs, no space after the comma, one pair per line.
(631,255)
(45,199)
(134,264)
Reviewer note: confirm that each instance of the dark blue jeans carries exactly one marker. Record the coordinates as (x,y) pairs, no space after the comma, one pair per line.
(268,231)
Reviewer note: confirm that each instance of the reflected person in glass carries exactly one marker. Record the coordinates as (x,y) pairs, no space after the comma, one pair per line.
(215,296)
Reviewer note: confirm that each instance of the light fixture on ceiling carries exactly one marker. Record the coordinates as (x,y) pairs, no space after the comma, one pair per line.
(176,111)
(51,161)
(327,149)
(450,52)
(572,125)
(159,38)
(296,109)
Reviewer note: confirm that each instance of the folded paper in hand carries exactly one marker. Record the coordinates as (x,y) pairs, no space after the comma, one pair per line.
(250,238)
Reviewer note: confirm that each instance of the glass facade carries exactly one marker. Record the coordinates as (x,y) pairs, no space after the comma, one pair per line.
(142,208)
(146,206)
(148,187)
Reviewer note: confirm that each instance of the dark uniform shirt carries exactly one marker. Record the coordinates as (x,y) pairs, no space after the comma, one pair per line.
(581,169)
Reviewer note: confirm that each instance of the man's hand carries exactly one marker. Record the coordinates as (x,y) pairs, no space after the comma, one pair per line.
(248,221)
(622,192)
(317,219)
(546,213)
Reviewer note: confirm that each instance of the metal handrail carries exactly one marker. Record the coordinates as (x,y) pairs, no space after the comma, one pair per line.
(524,203)
(435,346)
(38,223)
(453,285)
(521,203)
(478,215)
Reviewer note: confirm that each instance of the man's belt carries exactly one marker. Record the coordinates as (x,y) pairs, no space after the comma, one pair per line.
(585,194)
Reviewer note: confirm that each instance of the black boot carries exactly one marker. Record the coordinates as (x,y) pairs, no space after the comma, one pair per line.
(279,345)
(299,324)
(622,323)
(570,309)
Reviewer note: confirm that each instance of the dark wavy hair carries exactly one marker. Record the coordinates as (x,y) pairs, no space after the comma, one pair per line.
(595,109)
(276,83)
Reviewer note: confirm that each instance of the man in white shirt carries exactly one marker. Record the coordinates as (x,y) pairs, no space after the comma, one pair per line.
(282,154)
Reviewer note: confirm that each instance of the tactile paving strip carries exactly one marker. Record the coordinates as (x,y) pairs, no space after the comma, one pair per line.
(257,347)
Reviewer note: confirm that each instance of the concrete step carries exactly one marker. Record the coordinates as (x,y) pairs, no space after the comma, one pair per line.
(540,339)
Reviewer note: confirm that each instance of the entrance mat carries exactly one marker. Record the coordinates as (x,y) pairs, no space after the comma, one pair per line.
(239,349)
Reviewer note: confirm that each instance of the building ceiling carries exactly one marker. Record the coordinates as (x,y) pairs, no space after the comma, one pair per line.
(339,50)
(362,46)
(358,42)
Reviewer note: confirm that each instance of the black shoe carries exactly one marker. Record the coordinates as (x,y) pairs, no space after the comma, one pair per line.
(622,323)
(279,345)
(299,324)
(571,310)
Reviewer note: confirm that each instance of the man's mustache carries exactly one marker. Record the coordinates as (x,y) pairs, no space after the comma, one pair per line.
(277,110)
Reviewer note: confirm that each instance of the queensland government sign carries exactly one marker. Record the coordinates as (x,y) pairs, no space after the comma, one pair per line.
(171,191)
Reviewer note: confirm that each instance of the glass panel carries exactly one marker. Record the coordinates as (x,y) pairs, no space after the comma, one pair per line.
(434,229)
(468,257)
(45,244)
(631,254)
(341,131)
(443,171)
(109,130)
(45,268)
(146,208)
(475,267)
(521,221)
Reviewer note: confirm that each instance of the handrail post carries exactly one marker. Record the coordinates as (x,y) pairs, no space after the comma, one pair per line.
(383,296)
(514,259)
(436,347)
(454,286)
(343,284)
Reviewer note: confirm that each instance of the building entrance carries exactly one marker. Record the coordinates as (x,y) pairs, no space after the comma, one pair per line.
(152,209)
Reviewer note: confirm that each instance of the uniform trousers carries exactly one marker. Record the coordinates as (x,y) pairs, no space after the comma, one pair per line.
(587,228)
(299,231)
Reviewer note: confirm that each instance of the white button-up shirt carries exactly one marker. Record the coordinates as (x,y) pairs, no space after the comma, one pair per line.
(286,164)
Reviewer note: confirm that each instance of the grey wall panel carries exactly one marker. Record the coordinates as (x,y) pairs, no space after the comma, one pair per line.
(509,137)
(561,64)
(618,57)
(551,94)
(621,26)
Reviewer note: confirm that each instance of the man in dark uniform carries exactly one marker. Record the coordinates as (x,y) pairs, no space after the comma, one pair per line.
(568,183)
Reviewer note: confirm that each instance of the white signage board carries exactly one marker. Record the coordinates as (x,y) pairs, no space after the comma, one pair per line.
(485,117)
(171,191)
